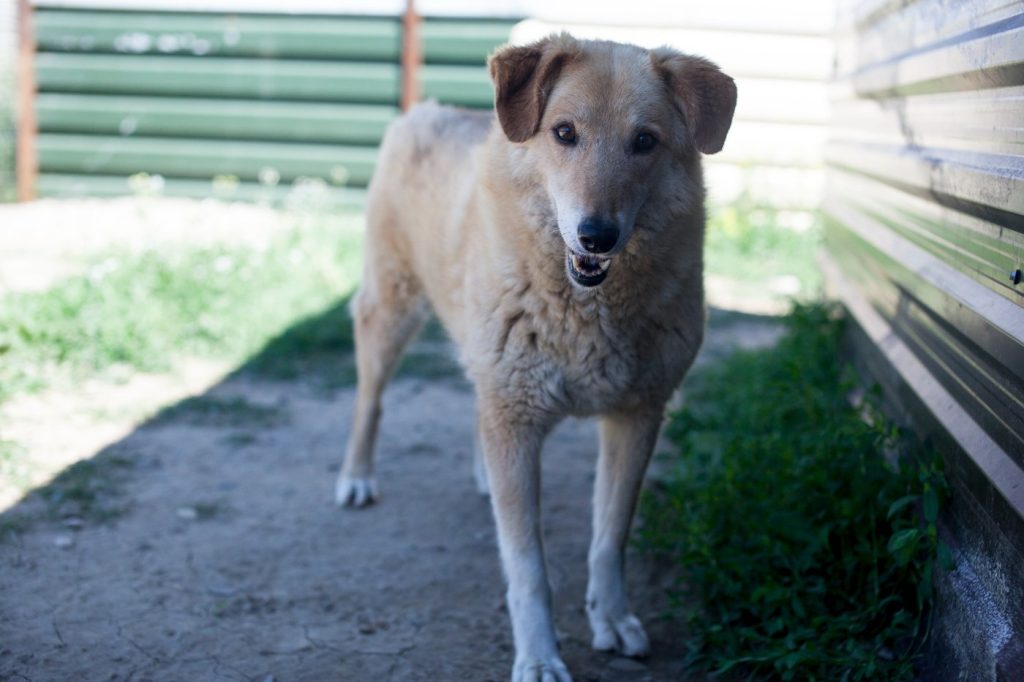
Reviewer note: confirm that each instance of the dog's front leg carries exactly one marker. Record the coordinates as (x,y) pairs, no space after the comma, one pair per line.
(512,456)
(627,441)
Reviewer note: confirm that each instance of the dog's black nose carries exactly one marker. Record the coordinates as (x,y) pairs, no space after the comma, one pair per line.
(598,235)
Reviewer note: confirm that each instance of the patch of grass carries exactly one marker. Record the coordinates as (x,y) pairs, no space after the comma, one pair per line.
(431,356)
(433,331)
(239,439)
(431,364)
(142,311)
(764,249)
(208,510)
(90,489)
(211,410)
(802,553)
(319,346)
(12,464)
(11,526)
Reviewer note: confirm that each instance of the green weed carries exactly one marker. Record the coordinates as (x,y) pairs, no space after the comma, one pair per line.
(761,247)
(802,554)
(13,468)
(12,526)
(318,346)
(144,311)
(211,410)
(434,364)
(239,439)
(208,510)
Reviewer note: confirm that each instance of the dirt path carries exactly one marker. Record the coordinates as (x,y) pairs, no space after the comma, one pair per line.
(205,546)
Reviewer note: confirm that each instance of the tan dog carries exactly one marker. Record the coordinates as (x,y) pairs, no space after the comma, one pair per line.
(561,250)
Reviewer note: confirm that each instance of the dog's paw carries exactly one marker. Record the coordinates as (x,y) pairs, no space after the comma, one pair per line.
(355,492)
(625,635)
(533,670)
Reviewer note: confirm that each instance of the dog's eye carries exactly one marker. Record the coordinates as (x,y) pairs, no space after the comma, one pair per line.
(565,133)
(644,142)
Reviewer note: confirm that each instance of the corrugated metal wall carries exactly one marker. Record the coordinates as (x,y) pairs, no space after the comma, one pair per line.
(8,47)
(925,240)
(8,38)
(247,104)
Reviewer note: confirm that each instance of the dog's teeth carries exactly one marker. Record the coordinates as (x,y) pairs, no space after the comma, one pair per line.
(603,264)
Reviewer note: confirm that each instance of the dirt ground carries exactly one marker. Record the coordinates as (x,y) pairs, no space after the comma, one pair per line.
(204,544)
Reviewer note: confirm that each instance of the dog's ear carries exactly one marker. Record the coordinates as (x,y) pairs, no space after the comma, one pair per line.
(705,95)
(523,78)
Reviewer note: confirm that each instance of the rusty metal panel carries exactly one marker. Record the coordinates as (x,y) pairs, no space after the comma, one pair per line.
(924,217)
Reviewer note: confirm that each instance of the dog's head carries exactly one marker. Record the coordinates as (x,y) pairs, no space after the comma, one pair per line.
(604,123)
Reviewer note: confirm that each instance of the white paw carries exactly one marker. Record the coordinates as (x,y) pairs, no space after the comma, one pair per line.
(625,635)
(355,492)
(533,670)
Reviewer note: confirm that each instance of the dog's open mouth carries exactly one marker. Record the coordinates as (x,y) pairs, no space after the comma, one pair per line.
(587,271)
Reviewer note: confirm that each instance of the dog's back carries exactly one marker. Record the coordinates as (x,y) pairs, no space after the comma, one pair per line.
(425,176)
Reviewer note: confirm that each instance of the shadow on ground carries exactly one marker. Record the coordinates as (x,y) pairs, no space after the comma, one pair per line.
(205,545)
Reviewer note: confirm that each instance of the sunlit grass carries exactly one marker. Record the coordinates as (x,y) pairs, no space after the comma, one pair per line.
(764,252)
(144,311)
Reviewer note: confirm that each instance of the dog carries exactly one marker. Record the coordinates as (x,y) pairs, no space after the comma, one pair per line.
(559,240)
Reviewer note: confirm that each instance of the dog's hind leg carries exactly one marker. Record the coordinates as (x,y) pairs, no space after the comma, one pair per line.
(388,311)
(627,441)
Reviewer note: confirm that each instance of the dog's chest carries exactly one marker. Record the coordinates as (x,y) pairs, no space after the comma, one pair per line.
(586,361)
(600,370)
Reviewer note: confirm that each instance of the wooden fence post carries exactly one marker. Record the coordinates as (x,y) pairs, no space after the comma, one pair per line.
(411,56)
(27,155)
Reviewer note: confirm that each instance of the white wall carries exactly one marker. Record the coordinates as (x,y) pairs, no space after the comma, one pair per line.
(780,54)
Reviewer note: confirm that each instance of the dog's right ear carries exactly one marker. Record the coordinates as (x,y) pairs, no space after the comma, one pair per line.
(523,78)
(705,96)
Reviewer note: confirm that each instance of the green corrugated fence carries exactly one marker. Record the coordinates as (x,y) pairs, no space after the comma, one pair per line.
(249,104)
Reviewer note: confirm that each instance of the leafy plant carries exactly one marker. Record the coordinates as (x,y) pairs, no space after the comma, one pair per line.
(803,553)
(89,488)
(744,237)
(143,311)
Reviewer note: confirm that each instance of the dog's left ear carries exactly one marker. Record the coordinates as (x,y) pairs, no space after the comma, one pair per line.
(706,96)
(523,78)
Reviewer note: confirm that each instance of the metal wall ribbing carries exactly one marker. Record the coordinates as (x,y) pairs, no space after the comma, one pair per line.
(925,240)
(235,104)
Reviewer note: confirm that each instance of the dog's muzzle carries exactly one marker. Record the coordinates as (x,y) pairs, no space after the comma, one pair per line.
(587,271)
(598,236)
